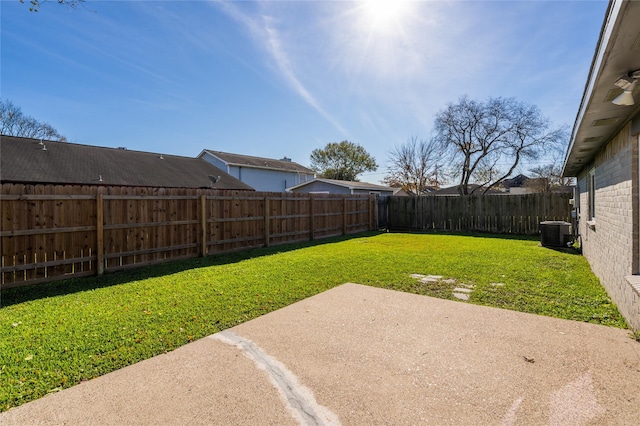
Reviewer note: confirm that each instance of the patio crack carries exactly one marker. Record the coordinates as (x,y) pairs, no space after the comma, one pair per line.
(298,398)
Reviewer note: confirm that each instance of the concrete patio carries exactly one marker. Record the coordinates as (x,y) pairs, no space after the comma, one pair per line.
(358,355)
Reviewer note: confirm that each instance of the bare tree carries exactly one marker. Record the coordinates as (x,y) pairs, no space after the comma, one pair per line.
(548,177)
(34,5)
(486,141)
(14,123)
(415,165)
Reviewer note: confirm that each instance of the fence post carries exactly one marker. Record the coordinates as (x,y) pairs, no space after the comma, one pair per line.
(311,218)
(99,234)
(203,225)
(373,214)
(344,215)
(266,221)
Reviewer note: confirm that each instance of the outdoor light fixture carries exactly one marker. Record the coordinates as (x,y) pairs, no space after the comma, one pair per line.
(627,83)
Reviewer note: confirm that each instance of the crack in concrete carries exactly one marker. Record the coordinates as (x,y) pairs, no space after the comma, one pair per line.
(511,416)
(299,399)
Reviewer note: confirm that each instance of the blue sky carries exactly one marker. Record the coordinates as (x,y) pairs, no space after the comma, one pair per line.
(281,78)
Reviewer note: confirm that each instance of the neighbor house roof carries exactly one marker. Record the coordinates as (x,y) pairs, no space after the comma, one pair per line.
(522,181)
(455,190)
(515,182)
(399,192)
(617,54)
(346,184)
(258,162)
(24,160)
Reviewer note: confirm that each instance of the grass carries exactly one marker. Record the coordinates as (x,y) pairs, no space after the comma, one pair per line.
(56,335)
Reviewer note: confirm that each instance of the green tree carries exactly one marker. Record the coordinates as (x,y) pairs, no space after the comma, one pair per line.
(342,160)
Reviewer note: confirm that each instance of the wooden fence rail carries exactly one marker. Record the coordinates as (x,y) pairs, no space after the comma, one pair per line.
(507,214)
(48,235)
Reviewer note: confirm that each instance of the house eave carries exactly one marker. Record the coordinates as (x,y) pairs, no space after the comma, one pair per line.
(598,120)
(254,166)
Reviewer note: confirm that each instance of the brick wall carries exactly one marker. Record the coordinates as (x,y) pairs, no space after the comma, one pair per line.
(610,243)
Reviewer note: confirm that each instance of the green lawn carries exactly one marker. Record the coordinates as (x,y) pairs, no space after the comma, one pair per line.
(54,336)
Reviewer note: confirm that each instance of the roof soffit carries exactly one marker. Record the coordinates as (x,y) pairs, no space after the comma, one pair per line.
(598,119)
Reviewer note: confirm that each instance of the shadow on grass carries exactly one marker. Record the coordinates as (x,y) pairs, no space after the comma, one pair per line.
(469,234)
(566,250)
(27,293)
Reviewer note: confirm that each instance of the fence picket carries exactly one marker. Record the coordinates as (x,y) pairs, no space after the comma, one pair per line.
(51,232)
(513,214)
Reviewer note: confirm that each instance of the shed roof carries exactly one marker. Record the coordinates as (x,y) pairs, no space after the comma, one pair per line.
(25,160)
(258,162)
(347,184)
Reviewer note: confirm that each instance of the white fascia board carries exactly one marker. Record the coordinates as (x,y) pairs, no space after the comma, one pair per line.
(596,67)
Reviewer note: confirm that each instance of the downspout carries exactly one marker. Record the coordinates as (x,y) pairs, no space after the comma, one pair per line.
(575,216)
(634,134)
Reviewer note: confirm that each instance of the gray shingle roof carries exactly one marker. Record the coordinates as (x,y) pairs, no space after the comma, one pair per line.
(516,181)
(259,162)
(23,160)
(347,184)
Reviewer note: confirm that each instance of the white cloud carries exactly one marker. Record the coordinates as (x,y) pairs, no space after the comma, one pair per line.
(388,82)
(263,29)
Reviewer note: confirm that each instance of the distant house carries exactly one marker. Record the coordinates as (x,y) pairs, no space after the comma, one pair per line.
(333,186)
(409,191)
(603,155)
(400,192)
(522,184)
(263,174)
(31,161)
(519,184)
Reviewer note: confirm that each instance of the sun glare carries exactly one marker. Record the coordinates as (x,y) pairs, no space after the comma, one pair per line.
(383,14)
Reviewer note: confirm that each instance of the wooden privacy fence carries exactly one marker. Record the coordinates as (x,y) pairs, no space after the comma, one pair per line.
(48,234)
(507,214)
